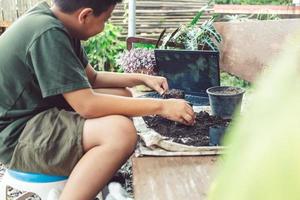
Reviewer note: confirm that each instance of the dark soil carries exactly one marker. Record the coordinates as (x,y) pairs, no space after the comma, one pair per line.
(227,91)
(173,93)
(197,135)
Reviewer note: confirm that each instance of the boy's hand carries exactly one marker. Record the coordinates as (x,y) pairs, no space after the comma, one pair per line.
(157,83)
(178,110)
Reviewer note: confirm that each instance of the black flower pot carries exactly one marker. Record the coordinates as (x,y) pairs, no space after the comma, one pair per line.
(216,134)
(225,100)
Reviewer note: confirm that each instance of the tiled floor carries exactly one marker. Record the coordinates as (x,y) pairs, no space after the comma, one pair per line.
(14,194)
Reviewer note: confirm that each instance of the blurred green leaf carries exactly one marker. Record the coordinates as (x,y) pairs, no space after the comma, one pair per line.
(262,159)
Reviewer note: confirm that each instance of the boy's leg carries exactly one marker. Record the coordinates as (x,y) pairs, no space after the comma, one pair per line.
(107,142)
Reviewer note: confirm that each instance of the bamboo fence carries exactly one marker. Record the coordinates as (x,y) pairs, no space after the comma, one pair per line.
(152,16)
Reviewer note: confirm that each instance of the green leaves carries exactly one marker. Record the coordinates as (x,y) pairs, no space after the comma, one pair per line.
(230,80)
(102,48)
(195,36)
(198,16)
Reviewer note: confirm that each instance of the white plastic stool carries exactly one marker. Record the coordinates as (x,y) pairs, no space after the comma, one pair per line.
(39,184)
(296,2)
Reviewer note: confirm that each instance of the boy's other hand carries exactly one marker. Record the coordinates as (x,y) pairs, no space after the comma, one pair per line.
(178,110)
(157,83)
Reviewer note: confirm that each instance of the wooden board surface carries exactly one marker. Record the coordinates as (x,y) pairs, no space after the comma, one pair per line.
(4,24)
(248,47)
(172,178)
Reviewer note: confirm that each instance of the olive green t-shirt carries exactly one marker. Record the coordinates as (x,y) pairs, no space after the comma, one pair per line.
(39,61)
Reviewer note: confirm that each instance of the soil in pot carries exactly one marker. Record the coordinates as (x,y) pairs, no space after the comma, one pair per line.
(227,91)
(173,93)
(197,135)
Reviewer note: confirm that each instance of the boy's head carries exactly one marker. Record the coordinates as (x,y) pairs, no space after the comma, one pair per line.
(98,6)
(88,16)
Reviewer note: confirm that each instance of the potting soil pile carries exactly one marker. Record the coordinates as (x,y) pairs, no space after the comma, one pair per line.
(156,144)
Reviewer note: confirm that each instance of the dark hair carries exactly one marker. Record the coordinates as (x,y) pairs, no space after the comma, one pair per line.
(99,6)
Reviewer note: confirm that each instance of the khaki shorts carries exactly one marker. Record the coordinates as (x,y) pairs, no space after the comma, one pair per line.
(51,143)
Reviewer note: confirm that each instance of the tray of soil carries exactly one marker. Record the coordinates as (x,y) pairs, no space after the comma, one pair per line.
(205,135)
(197,135)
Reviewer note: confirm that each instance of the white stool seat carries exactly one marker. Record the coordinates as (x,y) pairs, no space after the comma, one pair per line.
(39,184)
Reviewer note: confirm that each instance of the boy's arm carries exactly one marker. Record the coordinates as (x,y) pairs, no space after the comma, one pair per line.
(117,80)
(92,105)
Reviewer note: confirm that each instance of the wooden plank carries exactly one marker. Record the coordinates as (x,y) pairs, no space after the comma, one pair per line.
(248,59)
(154,18)
(172,178)
(257,9)
(12,9)
(5,24)
(166,12)
(155,15)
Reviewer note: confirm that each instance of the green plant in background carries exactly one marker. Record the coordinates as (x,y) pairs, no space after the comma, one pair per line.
(137,60)
(267,17)
(236,18)
(193,35)
(244,17)
(144,46)
(231,80)
(103,48)
(255,2)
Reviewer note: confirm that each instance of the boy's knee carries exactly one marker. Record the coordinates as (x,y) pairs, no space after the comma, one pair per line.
(127,139)
(126,146)
(116,131)
(126,92)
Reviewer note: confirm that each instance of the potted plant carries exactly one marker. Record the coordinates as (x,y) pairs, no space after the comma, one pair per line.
(193,36)
(138,61)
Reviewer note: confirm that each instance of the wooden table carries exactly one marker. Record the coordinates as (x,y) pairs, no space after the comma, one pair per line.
(172,178)
(3,26)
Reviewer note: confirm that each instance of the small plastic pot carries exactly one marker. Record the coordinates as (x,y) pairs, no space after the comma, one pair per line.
(216,134)
(225,100)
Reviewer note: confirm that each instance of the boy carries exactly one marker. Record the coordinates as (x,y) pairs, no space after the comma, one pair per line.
(59,116)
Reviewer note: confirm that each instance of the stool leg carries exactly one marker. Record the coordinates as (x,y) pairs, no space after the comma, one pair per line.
(3,191)
(54,194)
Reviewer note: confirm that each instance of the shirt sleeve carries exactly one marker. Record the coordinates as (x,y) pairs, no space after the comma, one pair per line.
(84,57)
(57,68)
(79,50)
